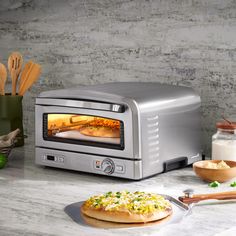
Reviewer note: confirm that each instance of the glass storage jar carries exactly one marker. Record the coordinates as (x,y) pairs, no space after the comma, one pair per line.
(224,141)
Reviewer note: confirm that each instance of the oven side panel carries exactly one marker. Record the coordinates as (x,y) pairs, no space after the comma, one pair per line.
(180,137)
(169,134)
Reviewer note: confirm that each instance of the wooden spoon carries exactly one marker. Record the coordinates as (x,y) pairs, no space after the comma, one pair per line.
(3,78)
(15,62)
(24,74)
(31,78)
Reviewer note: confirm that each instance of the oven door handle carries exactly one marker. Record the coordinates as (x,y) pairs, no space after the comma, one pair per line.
(118,108)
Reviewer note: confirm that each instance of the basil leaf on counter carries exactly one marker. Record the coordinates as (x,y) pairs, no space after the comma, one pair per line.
(233,184)
(214,184)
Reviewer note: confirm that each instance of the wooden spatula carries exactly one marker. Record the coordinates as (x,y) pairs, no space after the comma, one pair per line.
(25,73)
(15,62)
(31,77)
(3,78)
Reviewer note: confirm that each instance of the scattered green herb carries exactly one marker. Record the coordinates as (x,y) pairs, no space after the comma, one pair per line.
(138,199)
(214,184)
(118,194)
(98,201)
(108,194)
(233,184)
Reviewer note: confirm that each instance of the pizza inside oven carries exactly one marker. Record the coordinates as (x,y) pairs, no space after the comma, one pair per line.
(87,125)
(102,127)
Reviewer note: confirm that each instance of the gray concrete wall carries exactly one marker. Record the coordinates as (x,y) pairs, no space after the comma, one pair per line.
(189,43)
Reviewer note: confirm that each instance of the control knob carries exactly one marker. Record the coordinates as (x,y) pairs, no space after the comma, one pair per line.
(108,166)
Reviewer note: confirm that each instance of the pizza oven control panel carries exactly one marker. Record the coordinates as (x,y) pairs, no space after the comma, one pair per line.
(109,167)
(54,158)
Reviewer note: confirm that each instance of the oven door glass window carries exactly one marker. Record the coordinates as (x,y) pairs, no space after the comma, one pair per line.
(84,130)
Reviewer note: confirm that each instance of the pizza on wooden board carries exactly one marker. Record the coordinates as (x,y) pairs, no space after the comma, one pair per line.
(127,207)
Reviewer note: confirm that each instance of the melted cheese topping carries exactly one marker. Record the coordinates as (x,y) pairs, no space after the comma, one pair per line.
(137,202)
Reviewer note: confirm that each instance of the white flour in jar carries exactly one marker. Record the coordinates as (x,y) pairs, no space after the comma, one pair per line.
(224,150)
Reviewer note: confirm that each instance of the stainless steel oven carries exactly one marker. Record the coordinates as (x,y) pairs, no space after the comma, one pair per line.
(129,130)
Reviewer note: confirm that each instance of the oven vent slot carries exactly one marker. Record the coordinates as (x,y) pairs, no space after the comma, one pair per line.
(153,138)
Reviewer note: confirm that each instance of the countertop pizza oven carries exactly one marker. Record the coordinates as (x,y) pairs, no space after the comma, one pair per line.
(129,130)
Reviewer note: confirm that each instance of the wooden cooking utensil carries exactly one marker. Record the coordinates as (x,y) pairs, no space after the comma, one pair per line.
(15,62)
(31,77)
(25,72)
(189,198)
(3,78)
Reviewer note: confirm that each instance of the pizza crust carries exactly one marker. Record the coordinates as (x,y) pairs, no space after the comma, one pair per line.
(124,216)
(100,131)
(112,225)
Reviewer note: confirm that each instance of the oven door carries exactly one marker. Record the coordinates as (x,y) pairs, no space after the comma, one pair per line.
(87,127)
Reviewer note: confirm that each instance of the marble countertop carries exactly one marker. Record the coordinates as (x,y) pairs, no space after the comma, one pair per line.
(33,198)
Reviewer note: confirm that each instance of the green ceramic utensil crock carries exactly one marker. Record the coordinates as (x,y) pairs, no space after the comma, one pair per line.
(11,116)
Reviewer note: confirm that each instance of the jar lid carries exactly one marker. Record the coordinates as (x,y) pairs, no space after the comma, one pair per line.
(226,125)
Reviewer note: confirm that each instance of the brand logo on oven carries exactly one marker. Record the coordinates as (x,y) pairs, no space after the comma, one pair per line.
(116,107)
